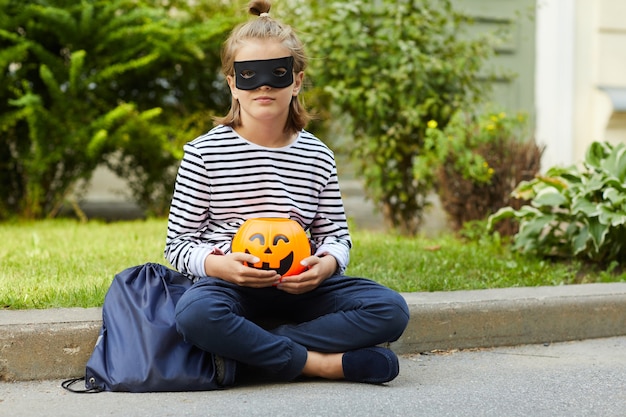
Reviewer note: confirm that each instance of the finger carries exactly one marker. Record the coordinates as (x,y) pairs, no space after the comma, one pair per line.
(259,281)
(244,257)
(310,261)
(294,288)
(248,261)
(297,283)
(291,279)
(266,277)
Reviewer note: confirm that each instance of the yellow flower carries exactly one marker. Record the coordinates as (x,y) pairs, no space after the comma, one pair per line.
(502,115)
(485,164)
(490,127)
(490,171)
(432,124)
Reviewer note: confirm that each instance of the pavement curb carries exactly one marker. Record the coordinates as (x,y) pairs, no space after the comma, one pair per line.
(56,344)
(513,316)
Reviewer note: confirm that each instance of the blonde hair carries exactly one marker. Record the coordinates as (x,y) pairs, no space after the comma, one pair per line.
(264,27)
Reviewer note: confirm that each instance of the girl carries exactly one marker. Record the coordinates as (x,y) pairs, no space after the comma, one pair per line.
(259,162)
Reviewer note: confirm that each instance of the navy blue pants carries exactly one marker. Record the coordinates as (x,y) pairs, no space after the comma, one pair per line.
(344,313)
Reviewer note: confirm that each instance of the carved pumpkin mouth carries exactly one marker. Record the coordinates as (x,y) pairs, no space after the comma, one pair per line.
(285,264)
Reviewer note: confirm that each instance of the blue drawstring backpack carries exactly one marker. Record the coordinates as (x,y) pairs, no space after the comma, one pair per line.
(139,349)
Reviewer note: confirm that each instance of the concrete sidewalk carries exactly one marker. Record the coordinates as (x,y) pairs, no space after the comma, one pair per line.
(570,379)
(55,344)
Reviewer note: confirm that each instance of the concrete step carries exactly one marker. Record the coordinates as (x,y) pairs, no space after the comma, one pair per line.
(56,344)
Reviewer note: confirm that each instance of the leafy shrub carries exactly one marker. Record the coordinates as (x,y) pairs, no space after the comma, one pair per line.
(478,160)
(391,66)
(575,212)
(84,82)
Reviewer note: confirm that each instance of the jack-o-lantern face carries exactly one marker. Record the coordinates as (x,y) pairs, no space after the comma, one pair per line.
(280,244)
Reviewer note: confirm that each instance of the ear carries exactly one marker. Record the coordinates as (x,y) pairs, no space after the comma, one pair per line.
(231,84)
(297,86)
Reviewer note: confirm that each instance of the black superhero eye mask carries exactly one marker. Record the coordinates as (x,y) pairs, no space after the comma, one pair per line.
(277,73)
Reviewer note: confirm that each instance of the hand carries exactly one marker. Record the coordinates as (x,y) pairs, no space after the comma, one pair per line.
(318,270)
(233,268)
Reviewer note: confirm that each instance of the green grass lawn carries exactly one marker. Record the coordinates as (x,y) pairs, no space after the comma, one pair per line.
(64,263)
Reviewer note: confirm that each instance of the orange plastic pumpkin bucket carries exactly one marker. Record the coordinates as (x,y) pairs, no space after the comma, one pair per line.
(280,244)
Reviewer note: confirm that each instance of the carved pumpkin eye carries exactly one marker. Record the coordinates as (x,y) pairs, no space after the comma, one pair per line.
(280,244)
(280,238)
(259,237)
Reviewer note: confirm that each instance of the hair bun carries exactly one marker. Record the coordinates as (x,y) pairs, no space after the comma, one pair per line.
(260,8)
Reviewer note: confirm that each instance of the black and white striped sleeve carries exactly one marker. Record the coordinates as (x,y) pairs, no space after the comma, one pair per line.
(185,248)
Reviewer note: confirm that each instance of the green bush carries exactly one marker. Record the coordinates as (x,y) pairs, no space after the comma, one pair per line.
(575,212)
(391,66)
(478,161)
(90,82)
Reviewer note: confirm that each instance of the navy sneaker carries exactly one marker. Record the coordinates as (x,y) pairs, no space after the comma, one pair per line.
(372,365)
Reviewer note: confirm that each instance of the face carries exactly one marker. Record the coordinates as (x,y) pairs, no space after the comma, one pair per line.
(264,82)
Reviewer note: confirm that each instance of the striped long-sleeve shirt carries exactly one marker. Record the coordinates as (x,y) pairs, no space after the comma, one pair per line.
(224,179)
